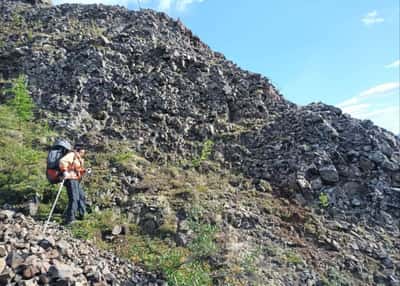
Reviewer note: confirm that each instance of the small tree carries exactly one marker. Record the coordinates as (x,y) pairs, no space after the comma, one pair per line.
(205,153)
(22,103)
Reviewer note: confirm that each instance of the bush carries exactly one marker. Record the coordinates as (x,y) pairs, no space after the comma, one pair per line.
(22,161)
(205,153)
(21,103)
(203,244)
(323,200)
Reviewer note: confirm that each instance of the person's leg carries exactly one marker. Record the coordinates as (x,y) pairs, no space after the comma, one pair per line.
(81,202)
(73,196)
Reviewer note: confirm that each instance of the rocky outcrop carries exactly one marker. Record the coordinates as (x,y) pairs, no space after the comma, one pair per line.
(328,185)
(102,72)
(317,149)
(30,257)
(137,75)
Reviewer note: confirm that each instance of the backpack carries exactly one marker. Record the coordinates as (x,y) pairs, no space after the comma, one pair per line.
(59,149)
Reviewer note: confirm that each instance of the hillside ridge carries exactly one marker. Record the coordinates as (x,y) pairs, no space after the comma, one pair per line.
(173,126)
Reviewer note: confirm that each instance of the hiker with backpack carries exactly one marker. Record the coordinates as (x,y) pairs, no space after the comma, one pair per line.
(71,166)
(65,164)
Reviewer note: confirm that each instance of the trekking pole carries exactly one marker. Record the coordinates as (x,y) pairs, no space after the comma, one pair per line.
(54,206)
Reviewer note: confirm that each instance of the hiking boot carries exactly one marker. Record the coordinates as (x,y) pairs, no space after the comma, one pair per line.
(68,222)
(80,217)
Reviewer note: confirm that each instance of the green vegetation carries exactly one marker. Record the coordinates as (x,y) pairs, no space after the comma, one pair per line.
(21,102)
(203,245)
(292,257)
(204,154)
(182,266)
(188,266)
(95,225)
(17,19)
(249,262)
(90,27)
(334,277)
(323,200)
(22,145)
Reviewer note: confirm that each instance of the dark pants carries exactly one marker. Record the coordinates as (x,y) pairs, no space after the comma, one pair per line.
(76,200)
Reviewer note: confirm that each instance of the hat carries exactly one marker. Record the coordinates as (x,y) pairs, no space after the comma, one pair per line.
(63,143)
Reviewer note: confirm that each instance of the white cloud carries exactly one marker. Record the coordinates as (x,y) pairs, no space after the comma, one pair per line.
(372,18)
(348,102)
(379,103)
(395,64)
(381,89)
(376,91)
(356,109)
(384,110)
(181,5)
(387,117)
(164,5)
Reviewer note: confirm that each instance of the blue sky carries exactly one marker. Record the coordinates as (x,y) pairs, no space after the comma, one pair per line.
(344,53)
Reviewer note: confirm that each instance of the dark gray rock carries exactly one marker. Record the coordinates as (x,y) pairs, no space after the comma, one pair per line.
(377,157)
(329,174)
(47,243)
(14,260)
(61,271)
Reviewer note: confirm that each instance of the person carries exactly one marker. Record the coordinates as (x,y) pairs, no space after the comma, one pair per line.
(72,168)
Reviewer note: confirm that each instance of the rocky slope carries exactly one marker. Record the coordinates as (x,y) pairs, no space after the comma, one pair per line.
(28,256)
(327,205)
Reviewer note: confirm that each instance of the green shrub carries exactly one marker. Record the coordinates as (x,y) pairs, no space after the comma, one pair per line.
(334,277)
(292,257)
(22,159)
(193,274)
(21,102)
(205,153)
(323,200)
(121,157)
(17,19)
(203,244)
(94,224)
(183,266)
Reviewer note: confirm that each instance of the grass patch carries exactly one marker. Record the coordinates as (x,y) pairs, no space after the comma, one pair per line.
(94,225)
(334,277)
(292,257)
(180,265)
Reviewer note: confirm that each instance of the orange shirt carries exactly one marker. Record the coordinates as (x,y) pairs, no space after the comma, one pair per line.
(72,164)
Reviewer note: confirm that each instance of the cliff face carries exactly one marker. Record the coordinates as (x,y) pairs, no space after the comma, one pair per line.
(104,74)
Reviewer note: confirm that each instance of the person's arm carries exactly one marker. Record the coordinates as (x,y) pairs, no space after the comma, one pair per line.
(65,164)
